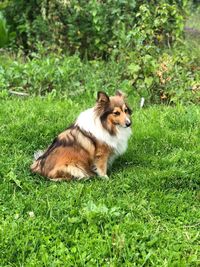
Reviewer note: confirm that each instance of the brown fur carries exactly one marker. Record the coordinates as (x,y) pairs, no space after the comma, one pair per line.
(73,154)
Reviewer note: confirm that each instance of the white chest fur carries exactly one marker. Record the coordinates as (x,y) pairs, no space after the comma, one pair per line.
(88,122)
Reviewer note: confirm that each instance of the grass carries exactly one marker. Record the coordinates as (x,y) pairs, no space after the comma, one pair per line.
(147,214)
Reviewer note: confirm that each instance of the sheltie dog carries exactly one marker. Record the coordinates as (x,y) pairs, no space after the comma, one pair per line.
(91,144)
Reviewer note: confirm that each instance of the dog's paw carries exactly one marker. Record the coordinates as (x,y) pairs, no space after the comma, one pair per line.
(105,177)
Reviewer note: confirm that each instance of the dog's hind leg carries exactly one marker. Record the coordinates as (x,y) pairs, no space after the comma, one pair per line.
(67,173)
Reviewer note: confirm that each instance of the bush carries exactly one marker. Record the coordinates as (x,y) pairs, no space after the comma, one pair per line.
(68,76)
(3,31)
(169,76)
(95,28)
(138,37)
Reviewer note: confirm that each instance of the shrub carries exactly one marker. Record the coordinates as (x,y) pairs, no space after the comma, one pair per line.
(95,28)
(3,31)
(166,76)
(170,76)
(64,76)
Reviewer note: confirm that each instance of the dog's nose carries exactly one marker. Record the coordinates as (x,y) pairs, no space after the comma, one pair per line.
(128,124)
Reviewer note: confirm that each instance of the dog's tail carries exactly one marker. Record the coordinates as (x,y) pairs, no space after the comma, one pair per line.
(38,154)
(35,167)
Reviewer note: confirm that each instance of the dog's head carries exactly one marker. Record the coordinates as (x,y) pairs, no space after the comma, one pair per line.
(113,111)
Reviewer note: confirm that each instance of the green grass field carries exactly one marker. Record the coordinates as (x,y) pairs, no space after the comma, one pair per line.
(147,214)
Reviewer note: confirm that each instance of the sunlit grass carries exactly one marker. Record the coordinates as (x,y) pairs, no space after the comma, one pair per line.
(147,214)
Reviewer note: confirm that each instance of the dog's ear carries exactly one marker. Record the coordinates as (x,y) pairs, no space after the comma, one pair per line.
(120,93)
(102,97)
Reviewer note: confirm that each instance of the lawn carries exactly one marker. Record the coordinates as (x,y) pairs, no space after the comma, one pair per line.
(146,214)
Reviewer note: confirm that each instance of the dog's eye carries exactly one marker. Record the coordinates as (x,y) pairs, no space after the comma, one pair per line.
(128,110)
(117,113)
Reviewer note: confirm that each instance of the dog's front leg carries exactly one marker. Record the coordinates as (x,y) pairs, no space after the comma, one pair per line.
(100,166)
(101,160)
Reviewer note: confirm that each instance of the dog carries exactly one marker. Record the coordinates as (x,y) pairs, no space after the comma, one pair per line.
(91,144)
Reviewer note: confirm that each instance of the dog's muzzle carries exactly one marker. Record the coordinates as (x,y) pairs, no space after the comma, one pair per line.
(128,123)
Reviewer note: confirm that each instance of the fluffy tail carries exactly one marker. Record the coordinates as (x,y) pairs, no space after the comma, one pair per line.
(38,154)
(35,167)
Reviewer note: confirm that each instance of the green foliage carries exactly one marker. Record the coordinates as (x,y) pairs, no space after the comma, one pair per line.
(63,76)
(137,36)
(170,76)
(6,36)
(3,31)
(145,215)
(95,28)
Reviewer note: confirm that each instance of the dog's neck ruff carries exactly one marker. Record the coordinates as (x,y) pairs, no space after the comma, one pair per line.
(89,122)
